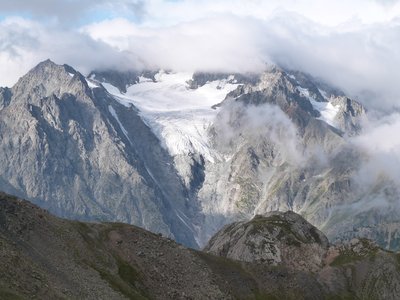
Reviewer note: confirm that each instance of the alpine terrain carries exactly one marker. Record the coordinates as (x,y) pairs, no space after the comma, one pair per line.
(183,154)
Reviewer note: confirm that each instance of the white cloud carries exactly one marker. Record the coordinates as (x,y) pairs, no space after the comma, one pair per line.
(331,13)
(258,124)
(382,151)
(363,61)
(167,12)
(23,44)
(381,131)
(351,44)
(224,43)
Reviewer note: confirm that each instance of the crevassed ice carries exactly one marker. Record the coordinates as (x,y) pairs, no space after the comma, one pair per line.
(178,115)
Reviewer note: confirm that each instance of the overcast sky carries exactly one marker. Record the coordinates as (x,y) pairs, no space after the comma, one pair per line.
(352,44)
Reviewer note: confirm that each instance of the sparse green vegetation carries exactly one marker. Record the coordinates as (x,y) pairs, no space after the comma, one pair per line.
(121,286)
(250,193)
(125,261)
(9,295)
(348,255)
(270,223)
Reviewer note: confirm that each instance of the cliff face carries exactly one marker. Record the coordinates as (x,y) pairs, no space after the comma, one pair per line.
(47,257)
(285,143)
(185,154)
(70,147)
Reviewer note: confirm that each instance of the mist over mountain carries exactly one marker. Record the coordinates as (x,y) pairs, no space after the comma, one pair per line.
(264,132)
(186,153)
(343,43)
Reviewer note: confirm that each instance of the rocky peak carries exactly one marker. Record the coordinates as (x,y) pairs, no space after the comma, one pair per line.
(274,78)
(276,87)
(312,85)
(303,98)
(276,238)
(47,79)
(201,78)
(350,114)
(120,79)
(75,150)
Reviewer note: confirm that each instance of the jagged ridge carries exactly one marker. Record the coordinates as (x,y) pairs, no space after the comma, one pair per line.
(68,146)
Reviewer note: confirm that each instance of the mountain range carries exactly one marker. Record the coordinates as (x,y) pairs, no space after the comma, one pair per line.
(183,154)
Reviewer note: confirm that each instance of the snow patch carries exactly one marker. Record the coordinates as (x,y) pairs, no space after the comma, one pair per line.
(114,114)
(326,109)
(91,84)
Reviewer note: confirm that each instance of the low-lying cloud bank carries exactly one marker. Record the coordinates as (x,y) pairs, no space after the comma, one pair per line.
(364,62)
(352,45)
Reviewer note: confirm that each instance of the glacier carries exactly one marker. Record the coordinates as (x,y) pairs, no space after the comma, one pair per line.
(178,115)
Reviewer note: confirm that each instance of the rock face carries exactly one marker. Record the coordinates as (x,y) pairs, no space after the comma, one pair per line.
(284,143)
(5,97)
(121,80)
(275,239)
(70,147)
(46,257)
(280,140)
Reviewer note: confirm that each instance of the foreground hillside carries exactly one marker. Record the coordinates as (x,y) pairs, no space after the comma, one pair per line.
(276,256)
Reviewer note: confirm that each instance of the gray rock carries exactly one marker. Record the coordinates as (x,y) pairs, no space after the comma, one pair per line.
(299,163)
(201,78)
(76,151)
(350,115)
(274,239)
(121,80)
(79,153)
(5,97)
